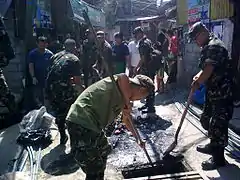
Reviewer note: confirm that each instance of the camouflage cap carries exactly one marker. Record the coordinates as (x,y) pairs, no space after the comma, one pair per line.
(100,34)
(143,81)
(195,30)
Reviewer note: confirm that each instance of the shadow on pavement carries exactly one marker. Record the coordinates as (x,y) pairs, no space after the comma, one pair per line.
(231,171)
(57,163)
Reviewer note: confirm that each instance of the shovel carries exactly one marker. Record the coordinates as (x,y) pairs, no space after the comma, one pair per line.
(174,144)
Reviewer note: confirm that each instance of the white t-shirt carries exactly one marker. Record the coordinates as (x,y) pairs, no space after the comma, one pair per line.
(135,56)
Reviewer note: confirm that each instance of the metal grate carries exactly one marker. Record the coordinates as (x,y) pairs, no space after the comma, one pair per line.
(192,175)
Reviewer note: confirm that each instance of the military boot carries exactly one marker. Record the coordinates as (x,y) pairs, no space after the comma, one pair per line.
(143,107)
(205,149)
(216,161)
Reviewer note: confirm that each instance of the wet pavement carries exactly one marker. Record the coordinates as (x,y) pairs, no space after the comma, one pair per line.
(127,153)
(158,134)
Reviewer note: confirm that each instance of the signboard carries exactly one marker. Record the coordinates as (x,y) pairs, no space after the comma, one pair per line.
(198,10)
(43,15)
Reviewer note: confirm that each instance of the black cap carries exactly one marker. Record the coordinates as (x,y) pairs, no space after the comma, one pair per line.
(138,30)
(196,29)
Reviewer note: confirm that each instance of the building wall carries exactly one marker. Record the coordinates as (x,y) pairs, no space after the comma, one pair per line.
(219,9)
(14,71)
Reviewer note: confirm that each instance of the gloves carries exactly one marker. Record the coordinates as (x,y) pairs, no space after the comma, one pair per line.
(34,80)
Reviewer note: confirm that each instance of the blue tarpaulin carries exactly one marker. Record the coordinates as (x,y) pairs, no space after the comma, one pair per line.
(199,95)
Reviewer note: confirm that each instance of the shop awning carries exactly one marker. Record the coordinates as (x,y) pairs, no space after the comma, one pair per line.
(137,19)
(96,16)
(4,5)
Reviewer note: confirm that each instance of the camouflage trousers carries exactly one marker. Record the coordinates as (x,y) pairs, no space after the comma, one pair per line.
(90,150)
(60,100)
(215,119)
(150,99)
(6,96)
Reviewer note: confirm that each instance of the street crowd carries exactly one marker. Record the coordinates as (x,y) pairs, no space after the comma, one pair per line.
(77,87)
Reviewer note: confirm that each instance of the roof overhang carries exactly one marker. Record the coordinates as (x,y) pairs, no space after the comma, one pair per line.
(131,19)
(4,5)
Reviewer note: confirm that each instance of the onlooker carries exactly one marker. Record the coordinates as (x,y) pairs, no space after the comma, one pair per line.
(163,47)
(55,46)
(172,57)
(145,67)
(121,53)
(106,52)
(134,56)
(89,59)
(38,65)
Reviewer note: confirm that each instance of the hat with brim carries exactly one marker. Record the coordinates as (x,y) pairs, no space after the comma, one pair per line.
(135,81)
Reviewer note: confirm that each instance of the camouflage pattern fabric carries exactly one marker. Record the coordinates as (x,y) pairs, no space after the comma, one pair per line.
(145,50)
(108,56)
(5,94)
(60,88)
(90,150)
(218,108)
(89,59)
(6,54)
(215,119)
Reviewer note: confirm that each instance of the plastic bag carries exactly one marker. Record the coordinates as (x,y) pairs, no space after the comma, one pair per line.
(36,119)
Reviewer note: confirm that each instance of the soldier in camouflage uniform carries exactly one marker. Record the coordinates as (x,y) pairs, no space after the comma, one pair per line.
(217,74)
(89,59)
(6,54)
(63,84)
(144,66)
(93,110)
(106,52)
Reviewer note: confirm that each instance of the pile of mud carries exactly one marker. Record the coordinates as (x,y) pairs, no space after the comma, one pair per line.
(158,134)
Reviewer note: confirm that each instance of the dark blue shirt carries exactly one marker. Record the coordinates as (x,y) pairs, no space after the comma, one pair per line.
(120,52)
(41,63)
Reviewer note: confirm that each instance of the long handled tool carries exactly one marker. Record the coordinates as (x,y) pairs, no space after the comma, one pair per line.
(86,18)
(174,144)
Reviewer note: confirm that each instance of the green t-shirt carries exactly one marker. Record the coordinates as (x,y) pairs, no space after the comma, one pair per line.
(97,106)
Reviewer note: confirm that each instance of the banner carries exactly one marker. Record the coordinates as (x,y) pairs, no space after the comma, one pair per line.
(198,10)
(4,5)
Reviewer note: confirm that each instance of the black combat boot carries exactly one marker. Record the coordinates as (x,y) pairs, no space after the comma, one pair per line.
(216,161)
(149,111)
(205,149)
(143,107)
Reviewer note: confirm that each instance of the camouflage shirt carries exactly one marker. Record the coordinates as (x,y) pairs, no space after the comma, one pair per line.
(145,50)
(219,85)
(60,83)
(89,53)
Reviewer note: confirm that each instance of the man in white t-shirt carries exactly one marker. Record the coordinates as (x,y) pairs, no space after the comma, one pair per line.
(134,56)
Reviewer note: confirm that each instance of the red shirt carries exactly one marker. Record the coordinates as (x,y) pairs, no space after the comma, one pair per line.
(173,45)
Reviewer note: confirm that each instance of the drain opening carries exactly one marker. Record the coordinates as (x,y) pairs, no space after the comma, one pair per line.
(160,168)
